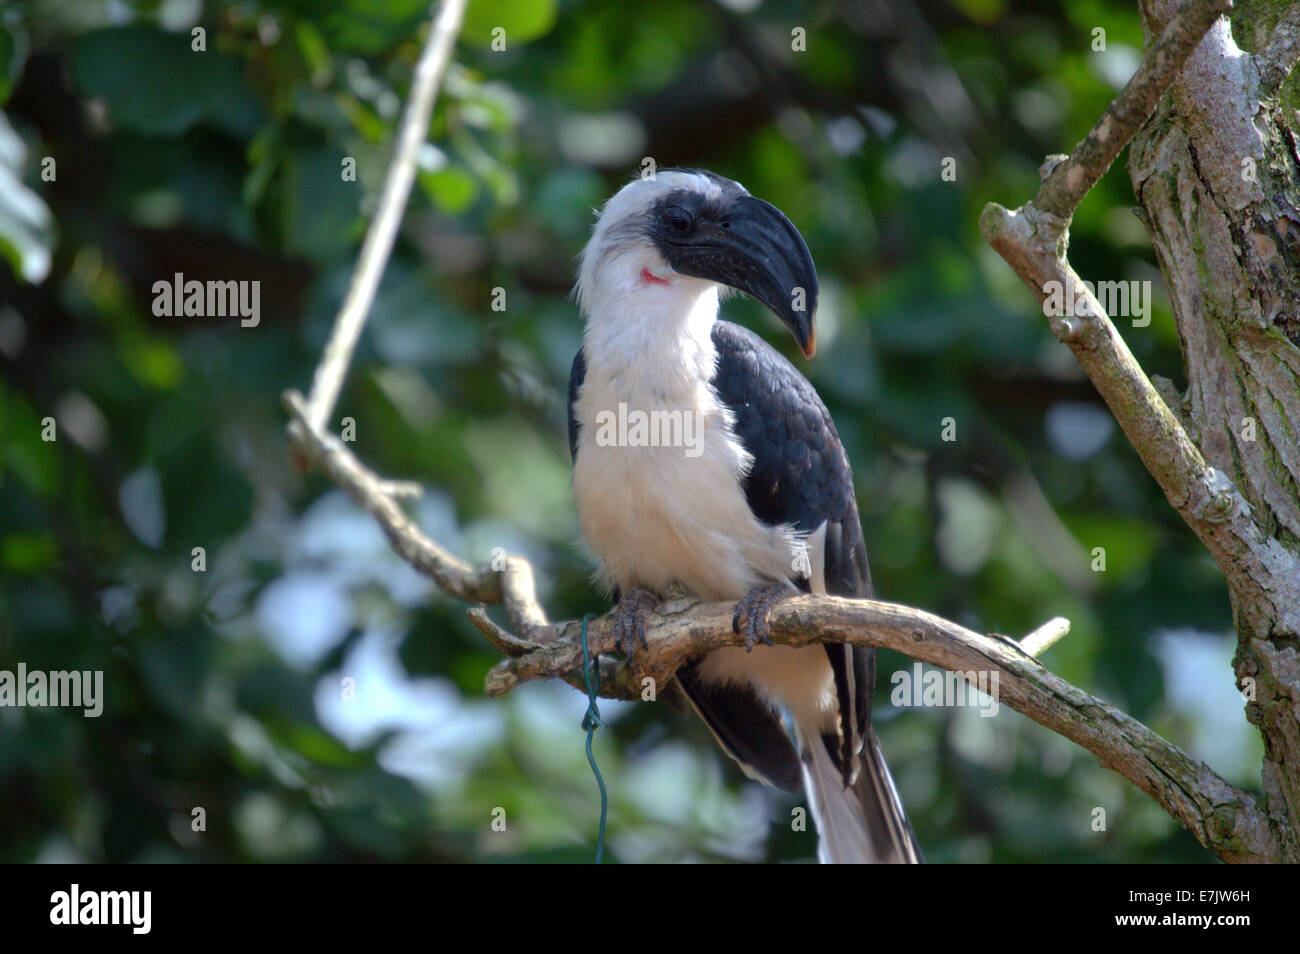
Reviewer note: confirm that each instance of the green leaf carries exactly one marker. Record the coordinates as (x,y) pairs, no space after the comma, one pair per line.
(13,54)
(452,190)
(522,20)
(312,46)
(26,226)
(363,26)
(324,207)
(122,66)
(26,553)
(24,452)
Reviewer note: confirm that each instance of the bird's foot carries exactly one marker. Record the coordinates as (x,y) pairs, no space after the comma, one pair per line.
(752,612)
(631,616)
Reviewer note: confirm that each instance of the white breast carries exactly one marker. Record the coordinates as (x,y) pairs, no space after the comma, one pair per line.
(655,515)
(658,514)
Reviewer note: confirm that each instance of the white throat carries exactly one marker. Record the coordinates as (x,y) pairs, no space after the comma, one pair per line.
(649,335)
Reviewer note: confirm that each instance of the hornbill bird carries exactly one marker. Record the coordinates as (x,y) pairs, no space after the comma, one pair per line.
(751,502)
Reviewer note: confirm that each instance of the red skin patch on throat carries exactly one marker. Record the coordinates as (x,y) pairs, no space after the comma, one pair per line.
(650,279)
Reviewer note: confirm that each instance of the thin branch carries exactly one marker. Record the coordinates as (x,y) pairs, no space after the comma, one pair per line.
(616,681)
(1045,636)
(378,245)
(687,630)
(1224,819)
(1280,55)
(510,582)
(1063,190)
(1033,239)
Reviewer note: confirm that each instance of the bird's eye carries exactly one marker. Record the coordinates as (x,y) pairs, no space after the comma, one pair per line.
(678,220)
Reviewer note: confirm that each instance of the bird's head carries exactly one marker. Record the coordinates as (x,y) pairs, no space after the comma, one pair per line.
(686,226)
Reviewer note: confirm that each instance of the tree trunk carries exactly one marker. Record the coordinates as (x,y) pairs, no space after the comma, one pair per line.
(1217,173)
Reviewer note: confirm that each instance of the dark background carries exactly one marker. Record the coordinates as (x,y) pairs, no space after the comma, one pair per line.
(225,687)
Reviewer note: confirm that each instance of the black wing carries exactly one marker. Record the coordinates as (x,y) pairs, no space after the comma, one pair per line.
(577,374)
(801,476)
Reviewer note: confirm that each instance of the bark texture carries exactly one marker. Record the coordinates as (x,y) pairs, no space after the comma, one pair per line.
(1217,172)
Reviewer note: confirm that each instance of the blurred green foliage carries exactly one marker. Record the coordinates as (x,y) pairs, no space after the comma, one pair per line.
(309,693)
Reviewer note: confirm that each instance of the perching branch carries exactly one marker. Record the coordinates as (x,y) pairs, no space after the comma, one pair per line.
(1223,818)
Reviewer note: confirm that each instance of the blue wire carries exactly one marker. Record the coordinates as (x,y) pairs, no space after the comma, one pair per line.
(591,722)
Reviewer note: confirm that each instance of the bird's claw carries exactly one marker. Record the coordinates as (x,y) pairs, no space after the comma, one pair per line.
(631,616)
(753,611)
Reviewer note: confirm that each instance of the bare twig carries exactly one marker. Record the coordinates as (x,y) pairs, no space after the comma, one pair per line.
(510,582)
(1063,190)
(1046,636)
(378,245)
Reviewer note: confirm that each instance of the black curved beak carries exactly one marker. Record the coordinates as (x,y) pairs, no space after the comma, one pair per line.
(755,249)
